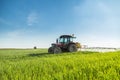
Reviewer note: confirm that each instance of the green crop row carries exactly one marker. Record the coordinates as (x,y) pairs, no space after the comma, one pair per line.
(39,65)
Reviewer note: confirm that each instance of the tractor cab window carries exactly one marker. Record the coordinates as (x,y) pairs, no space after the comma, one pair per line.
(65,40)
(61,40)
(71,39)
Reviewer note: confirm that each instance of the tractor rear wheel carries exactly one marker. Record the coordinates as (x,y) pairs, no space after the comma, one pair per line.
(57,50)
(72,48)
(50,50)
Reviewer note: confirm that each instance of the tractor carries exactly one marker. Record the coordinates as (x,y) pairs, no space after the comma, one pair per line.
(64,44)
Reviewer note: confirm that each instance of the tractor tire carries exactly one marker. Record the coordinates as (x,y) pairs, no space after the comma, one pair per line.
(50,50)
(57,50)
(72,48)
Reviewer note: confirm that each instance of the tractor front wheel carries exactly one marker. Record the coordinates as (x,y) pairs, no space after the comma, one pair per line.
(50,50)
(57,50)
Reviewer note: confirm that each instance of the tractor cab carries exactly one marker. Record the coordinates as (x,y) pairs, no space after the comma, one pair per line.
(65,39)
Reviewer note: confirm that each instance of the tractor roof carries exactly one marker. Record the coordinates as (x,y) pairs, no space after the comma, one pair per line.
(63,36)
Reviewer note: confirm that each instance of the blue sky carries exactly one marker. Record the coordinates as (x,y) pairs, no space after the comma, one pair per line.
(28,23)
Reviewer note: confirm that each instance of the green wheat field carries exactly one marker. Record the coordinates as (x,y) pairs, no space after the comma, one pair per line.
(37,64)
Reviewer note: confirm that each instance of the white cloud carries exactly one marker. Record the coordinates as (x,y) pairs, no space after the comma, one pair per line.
(32,18)
(97,12)
(99,23)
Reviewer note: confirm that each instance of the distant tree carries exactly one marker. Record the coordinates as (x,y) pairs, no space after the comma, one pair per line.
(35,47)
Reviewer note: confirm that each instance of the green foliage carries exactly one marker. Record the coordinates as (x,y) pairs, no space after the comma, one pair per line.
(37,64)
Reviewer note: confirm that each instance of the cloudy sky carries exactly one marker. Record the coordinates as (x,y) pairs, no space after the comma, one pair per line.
(28,23)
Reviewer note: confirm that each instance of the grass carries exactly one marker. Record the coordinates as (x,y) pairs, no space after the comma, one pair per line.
(37,64)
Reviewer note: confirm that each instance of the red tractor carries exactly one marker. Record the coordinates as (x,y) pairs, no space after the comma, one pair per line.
(64,43)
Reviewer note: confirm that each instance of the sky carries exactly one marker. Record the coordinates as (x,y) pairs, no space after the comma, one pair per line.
(29,23)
